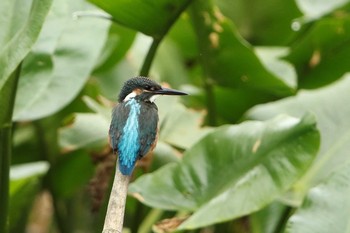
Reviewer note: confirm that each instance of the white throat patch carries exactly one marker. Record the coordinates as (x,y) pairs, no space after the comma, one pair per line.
(130,96)
(153,98)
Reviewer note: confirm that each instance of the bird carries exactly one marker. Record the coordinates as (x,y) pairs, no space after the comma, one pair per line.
(133,131)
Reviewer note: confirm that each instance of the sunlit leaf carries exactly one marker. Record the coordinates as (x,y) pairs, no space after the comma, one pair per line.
(24,184)
(150,17)
(20,22)
(180,126)
(326,207)
(271,57)
(61,61)
(221,174)
(252,19)
(229,59)
(87,131)
(320,54)
(329,106)
(315,9)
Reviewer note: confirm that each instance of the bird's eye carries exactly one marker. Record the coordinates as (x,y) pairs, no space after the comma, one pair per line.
(147,87)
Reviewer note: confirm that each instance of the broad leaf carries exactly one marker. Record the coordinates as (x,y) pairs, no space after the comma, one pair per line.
(221,174)
(316,9)
(229,60)
(271,57)
(20,22)
(326,207)
(252,19)
(269,219)
(61,61)
(153,18)
(179,126)
(319,53)
(88,130)
(329,105)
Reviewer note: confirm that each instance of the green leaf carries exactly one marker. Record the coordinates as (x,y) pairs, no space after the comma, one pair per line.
(271,57)
(221,174)
(320,52)
(61,61)
(88,130)
(24,185)
(252,19)
(268,219)
(118,43)
(153,18)
(20,22)
(179,126)
(326,207)
(316,9)
(27,170)
(228,59)
(329,106)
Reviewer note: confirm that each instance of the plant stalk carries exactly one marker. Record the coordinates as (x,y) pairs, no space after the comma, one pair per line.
(146,66)
(116,205)
(7,102)
(201,13)
(283,220)
(158,39)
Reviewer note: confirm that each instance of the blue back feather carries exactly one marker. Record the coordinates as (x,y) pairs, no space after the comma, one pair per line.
(132,132)
(129,143)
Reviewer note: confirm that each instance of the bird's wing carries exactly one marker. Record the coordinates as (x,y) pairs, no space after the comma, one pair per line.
(148,128)
(119,117)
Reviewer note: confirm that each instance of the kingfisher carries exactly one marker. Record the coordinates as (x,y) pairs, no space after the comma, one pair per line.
(133,131)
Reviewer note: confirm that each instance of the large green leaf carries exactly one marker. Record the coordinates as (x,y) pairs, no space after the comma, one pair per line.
(180,126)
(320,52)
(228,59)
(20,22)
(252,18)
(329,105)
(153,18)
(326,207)
(61,61)
(315,9)
(233,171)
(87,131)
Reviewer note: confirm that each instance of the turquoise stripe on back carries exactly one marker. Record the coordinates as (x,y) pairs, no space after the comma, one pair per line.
(129,144)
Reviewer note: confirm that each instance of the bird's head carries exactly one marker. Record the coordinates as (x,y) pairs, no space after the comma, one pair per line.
(145,89)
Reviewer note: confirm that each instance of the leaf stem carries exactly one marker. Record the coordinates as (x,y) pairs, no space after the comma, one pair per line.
(201,11)
(150,56)
(158,39)
(282,222)
(152,217)
(7,101)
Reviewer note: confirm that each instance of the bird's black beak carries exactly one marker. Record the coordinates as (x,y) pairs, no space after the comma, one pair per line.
(168,91)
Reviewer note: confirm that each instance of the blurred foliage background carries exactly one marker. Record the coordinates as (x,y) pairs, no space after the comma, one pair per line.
(260,145)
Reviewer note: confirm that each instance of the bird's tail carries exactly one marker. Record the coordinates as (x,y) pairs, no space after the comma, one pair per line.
(126,168)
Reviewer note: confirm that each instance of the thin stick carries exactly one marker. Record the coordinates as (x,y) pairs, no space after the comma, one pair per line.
(116,204)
